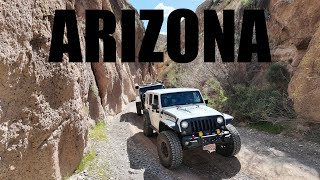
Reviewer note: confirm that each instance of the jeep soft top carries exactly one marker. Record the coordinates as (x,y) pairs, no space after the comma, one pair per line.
(172,90)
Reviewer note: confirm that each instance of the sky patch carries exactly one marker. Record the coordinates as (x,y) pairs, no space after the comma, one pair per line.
(167,5)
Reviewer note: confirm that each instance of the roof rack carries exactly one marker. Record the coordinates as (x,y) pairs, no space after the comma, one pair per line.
(148,84)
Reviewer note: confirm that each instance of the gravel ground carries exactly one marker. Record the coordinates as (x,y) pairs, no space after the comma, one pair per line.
(128,154)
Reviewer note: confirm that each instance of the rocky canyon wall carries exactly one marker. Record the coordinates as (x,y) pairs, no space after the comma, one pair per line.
(294,37)
(45,108)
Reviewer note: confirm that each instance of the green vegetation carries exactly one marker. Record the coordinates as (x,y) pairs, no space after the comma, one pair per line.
(278,73)
(278,76)
(313,132)
(86,161)
(98,132)
(267,127)
(102,172)
(171,76)
(168,73)
(247,3)
(96,170)
(260,104)
(215,94)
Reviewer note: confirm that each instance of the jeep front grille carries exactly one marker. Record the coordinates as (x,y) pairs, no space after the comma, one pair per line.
(205,124)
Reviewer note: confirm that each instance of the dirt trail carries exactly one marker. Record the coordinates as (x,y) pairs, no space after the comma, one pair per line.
(131,155)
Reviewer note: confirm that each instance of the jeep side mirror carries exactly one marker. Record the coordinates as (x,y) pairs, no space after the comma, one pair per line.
(136,86)
(155,106)
(206,101)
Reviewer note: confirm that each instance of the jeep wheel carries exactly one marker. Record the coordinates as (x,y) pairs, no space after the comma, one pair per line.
(169,149)
(138,106)
(233,146)
(147,130)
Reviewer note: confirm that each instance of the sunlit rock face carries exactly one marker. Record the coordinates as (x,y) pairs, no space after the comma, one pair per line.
(45,108)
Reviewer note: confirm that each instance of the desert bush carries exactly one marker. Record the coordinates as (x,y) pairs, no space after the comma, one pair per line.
(278,76)
(172,76)
(248,3)
(260,104)
(215,94)
(168,74)
(278,73)
(262,4)
(268,127)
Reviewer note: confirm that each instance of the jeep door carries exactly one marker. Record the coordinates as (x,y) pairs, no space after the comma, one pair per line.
(148,102)
(155,113)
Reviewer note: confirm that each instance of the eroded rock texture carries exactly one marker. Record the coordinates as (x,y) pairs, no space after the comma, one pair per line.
(294,35)
(305,84)
(45,107)
(291,27)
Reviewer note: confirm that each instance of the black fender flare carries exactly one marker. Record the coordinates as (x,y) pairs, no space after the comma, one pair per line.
(228,118)
(165,125)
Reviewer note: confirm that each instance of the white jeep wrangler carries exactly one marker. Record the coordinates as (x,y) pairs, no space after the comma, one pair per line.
(183,121)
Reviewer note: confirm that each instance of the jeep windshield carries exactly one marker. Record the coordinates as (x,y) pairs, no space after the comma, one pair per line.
(181,98)
(145,89)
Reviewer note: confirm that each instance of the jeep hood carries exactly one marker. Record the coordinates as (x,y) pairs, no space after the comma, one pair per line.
(190,111)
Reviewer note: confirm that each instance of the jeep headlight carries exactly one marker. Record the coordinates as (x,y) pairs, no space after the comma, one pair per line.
(220,120)
(184,124)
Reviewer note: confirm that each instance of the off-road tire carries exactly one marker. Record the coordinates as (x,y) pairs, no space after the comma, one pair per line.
(138,106)
(234,145)
(147,130)
(173,158)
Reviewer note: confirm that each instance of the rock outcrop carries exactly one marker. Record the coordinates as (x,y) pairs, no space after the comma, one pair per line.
(293,24)
(45,107)
(304,88)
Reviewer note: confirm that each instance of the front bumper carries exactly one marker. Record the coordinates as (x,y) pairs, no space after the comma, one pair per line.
(189,142)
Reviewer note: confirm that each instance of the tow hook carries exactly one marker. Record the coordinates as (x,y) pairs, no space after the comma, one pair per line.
(226,136)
